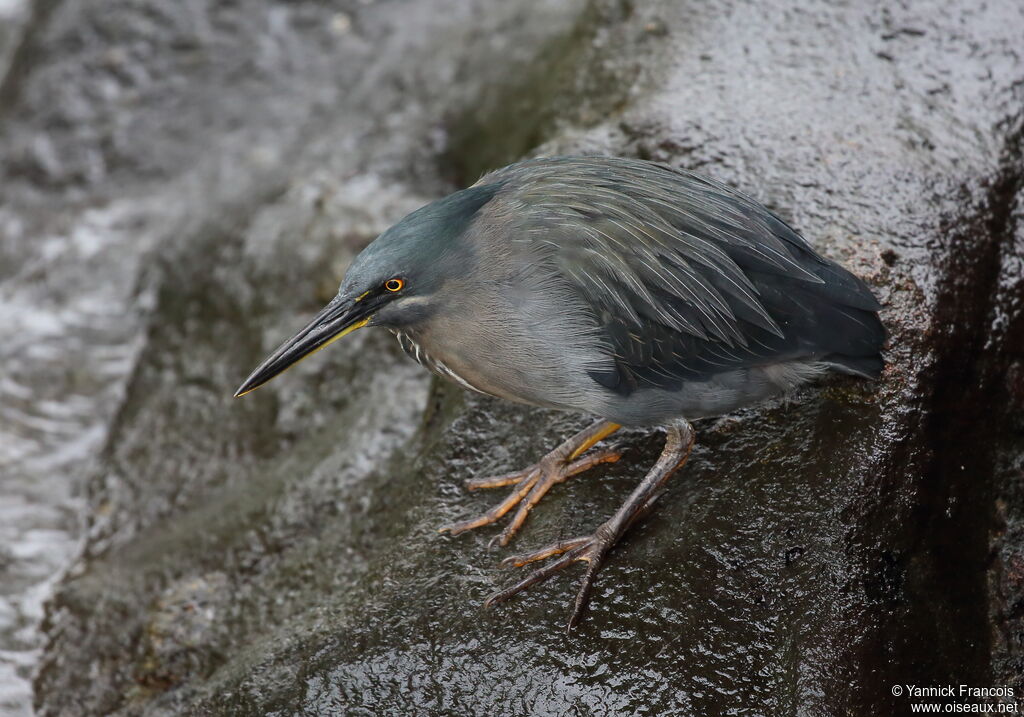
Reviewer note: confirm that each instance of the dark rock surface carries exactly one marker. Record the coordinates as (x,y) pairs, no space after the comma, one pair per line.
(279,554)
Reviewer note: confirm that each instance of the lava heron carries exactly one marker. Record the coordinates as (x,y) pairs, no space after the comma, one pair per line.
(631,291)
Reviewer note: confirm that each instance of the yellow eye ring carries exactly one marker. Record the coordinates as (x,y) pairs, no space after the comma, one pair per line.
(394,285)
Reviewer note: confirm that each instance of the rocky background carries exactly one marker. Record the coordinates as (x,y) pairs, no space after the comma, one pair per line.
(183,184)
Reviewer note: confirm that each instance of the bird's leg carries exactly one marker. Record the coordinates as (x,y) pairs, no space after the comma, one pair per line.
(594,549)
(534,482)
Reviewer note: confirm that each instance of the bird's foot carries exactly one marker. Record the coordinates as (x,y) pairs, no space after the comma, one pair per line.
(592,550)
(533,483)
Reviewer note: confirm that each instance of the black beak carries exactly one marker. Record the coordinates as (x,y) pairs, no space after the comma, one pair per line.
(338,318)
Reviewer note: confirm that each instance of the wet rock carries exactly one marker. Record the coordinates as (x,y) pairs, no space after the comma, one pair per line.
(814,552)
(182,626)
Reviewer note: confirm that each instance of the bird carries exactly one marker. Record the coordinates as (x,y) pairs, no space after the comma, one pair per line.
(635,292)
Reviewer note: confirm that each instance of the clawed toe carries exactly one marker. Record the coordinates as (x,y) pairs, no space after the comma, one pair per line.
(592,550)
(499,481)
(533,483)
(518,561)
(526,482)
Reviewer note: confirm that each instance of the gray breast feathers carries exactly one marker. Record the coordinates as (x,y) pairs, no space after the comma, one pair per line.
(420,356)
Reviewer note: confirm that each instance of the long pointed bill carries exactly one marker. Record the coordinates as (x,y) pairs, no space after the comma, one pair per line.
(336,319)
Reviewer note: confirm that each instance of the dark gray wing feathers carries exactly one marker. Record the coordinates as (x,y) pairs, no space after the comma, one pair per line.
(685,276)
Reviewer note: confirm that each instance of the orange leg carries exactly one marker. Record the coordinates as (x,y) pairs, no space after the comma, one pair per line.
(533,483)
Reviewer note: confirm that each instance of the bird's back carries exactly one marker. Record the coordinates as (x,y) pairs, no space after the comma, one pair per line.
(701,299)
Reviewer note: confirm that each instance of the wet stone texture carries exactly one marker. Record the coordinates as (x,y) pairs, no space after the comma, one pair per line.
(216,165)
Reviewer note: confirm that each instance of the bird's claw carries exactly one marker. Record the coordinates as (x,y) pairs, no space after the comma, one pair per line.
(592,550)
(525,481)
(562,546)
(531,485)
(500,481)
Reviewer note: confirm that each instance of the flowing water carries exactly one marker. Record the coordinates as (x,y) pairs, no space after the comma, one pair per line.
(67,339)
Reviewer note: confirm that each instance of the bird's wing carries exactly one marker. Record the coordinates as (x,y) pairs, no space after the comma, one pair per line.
(686,277)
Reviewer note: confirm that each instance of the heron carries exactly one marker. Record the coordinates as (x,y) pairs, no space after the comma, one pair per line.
(634,292)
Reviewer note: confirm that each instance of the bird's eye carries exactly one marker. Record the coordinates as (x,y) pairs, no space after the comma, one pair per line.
(393,285)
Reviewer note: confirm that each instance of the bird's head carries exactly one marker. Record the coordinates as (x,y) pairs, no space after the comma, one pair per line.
(398,281)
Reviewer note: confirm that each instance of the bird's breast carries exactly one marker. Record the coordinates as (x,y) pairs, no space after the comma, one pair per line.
(414,350)
(510,347)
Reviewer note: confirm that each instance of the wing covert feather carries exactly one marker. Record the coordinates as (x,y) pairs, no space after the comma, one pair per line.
(686,277)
